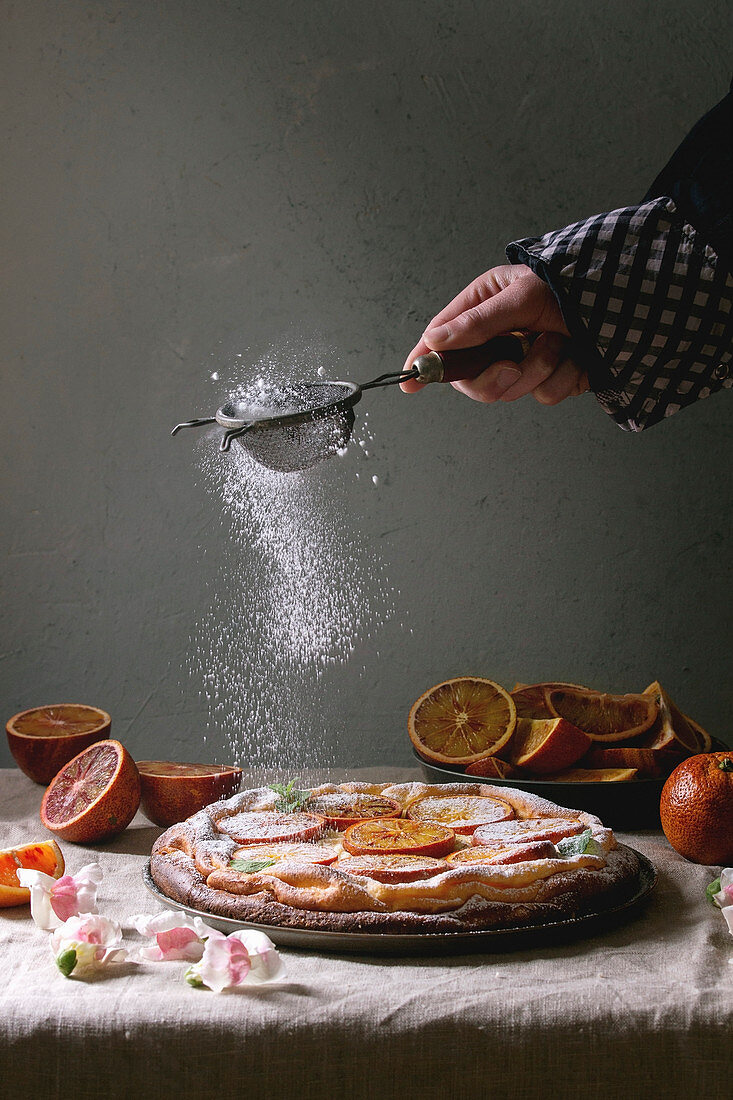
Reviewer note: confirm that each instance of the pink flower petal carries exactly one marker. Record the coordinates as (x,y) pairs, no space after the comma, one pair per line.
(175,942)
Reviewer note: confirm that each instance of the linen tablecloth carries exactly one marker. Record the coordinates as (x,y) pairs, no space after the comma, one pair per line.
(644,1008)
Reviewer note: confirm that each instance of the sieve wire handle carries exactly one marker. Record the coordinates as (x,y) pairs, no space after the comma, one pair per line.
(468,363)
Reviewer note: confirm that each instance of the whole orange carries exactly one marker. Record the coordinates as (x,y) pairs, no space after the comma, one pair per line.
(696,808)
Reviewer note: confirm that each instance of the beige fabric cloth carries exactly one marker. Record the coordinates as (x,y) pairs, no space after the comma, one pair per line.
(644,1009)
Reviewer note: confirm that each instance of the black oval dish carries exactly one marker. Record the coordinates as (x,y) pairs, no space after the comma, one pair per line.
(627,806)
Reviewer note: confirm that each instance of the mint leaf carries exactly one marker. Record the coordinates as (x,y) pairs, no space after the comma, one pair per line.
(66,961)
(291,799)
(713,888)
(581,845)
(250,866)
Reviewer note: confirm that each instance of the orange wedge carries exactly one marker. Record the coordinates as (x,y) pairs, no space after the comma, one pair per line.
(531,699)
(542,745)
(604,717)
(491,767)
(394,836)
(393,868)
(705,741)
(45,856)
(594,775)
(461,720)
(671,730)
(461,813)
(508,853)
(649,763)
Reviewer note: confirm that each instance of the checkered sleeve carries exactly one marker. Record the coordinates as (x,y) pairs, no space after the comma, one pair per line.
(649,305)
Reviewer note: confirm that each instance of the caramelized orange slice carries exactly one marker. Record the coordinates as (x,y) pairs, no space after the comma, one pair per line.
(508,853)
(461,813)
(269,826)
(322,854)
(393,868)
(399,837)
(527,829)
(340,809)
(605,717)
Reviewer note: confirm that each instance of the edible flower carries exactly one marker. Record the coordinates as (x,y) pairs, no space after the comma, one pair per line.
(242,957)
(720,893)
(55,900)
(85,943)
(172,935)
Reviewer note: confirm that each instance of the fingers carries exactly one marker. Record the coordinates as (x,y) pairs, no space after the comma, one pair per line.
(569,380)
(542,359)
(545,373)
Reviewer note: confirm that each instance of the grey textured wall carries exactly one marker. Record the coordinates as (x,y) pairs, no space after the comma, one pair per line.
(188,180)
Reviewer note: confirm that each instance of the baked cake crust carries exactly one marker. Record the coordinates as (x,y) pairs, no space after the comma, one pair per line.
(190,865)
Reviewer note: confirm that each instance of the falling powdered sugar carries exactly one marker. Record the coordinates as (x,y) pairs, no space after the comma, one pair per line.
(295,596)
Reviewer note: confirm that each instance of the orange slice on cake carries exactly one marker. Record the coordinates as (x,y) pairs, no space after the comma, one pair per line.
(322,854)
(395,836)
(460,812)
(339,809)
(270,827)
(392,867)
(526,830)
(461,720)
(507,853)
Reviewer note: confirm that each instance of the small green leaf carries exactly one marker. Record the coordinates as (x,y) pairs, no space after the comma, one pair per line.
(193,979)
(581,845)
(66,961)
(713,888)
(291,799)
(250,866)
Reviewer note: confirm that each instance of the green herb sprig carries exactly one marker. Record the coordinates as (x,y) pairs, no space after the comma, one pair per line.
(250,866)
(291,799)
(581,845)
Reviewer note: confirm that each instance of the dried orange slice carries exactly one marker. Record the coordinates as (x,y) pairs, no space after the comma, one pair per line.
(461,720)
(671,730)
(704,739)
(43,739)
(507,853)
(491,767)
(399,837)
(461,813)
(531,699)
(341,809)
(542,745)
(94,796)
(604,717)
(269,827)
(45,856)
(594,775)
(393,868)
(527,829)
(299,853)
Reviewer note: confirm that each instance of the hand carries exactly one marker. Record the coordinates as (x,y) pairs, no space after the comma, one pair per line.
(506,299)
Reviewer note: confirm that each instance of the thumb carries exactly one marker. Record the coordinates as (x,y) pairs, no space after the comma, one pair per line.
(527,304)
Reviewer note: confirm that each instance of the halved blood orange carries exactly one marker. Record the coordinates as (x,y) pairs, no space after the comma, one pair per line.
(340,809)
(526,830)
(671,730)
(171,792)
(45,856)
(393,868)
(507,853)
(300,853)
(491,767)
(461,813)
(542,745)
(461,720)
(269,827)
(531,699)
(43,739)
(602,716)
(94,796)
(399,837)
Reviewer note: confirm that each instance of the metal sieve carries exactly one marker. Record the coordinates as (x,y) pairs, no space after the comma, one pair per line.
(311,421)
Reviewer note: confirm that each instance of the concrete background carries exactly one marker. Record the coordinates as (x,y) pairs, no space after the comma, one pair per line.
(184,181)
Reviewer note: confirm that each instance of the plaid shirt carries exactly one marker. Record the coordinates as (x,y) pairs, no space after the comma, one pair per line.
(647,291)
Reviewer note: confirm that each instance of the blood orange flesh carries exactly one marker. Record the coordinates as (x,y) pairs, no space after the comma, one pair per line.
(94,796)
(393,835)
(341,809)
(45,856)
(393,868)
(298,853)
(527,829)
(461,813)
(43,739)
(270,827)
(507,853)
